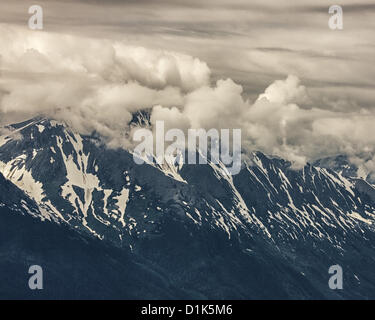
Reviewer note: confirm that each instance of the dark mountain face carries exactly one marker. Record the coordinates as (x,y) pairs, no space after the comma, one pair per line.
(178,231)
(348,169)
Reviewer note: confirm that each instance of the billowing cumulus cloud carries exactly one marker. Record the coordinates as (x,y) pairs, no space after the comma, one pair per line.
(95,84)
(92,84)
(286,91)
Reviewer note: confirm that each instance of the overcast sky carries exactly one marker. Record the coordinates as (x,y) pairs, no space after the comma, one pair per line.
(152,45)
(253,42)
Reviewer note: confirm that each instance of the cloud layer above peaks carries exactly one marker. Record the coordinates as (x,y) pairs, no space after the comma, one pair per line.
(95,84)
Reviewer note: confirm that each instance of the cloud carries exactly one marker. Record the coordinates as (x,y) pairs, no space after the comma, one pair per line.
(96,85)
(285,91)
(89,83)
(172,117)
(8,133)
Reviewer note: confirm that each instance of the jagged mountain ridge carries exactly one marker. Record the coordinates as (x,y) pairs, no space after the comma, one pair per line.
(74,180)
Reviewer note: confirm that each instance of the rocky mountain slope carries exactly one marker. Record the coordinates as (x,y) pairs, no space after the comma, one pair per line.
(190,231)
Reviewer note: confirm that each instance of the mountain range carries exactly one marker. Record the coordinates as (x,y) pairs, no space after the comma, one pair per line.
(102,226)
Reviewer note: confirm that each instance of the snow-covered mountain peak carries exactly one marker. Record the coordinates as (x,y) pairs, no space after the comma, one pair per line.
(77,181)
